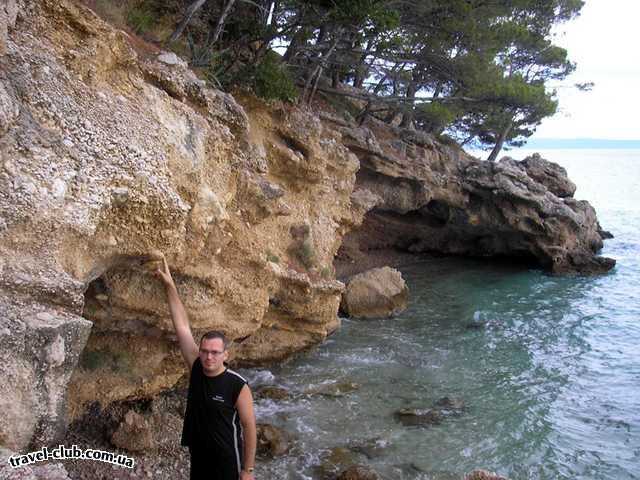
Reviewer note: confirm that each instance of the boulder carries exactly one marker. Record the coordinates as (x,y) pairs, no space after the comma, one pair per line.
(380,292)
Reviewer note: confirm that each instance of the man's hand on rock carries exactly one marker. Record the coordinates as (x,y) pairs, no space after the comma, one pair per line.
(163,272)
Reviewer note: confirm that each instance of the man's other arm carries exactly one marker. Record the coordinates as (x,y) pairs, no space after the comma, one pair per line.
(188,346)
(244,404)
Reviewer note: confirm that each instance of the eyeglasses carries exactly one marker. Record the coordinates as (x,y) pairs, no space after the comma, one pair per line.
(213,353)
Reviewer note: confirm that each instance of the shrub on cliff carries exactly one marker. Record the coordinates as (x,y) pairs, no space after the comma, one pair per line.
(269,79)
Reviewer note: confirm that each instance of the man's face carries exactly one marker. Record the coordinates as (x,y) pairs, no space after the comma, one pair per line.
(212,354)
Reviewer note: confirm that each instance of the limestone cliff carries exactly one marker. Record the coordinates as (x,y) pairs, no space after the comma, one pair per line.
(108,152)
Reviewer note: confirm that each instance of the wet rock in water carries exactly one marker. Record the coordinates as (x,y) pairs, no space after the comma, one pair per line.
(483,475)
(449,404)
(441,409)
(359,472)
(411,417)
(380,292)
(272,441)
(336,460)
(372,448)
(272,393)
(335,390)
(134,433)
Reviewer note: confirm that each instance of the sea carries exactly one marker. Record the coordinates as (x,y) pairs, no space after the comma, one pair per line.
(548,368)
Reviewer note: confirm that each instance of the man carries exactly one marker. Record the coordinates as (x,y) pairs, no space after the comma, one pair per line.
(219,425)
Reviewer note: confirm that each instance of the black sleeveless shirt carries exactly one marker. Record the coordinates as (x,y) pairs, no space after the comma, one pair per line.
(211,420)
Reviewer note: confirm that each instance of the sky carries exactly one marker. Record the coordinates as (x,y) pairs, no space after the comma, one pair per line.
(605,43)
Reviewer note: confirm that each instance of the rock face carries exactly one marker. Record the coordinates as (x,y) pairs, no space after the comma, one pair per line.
(433,197)
(380,292)
(107,153)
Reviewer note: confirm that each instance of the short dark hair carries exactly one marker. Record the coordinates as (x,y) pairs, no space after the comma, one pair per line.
(211,334)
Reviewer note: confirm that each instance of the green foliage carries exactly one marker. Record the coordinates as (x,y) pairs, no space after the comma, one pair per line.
(141,17)
(272,257)
(269,79)
(306,254)
(272,81)
(326,273)
(435,116)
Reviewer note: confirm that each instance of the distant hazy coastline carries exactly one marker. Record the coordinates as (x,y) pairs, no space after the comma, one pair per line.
(581,143)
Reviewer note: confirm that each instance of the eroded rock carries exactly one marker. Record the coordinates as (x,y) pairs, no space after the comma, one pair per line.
(436,198)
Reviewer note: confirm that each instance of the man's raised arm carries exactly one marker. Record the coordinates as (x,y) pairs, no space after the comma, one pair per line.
(188,346)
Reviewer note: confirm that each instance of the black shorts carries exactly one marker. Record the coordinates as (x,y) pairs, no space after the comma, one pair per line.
(205,465)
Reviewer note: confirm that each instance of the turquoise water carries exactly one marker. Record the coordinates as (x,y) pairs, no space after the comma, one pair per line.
(550,378)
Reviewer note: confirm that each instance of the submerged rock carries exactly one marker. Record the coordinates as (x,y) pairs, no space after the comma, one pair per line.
(483,475)
(359,472)
(435,415)
(380,292)
(335,461)
(272,441)
(339,389)
(411,417)
(272,392)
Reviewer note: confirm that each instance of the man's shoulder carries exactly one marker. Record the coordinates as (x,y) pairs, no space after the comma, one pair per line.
(235,376)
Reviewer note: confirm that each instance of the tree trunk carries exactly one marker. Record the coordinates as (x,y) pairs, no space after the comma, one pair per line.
(299,39)
(221,20)
(335,78)
(501,139)
(361,68)
(191,10)
(407,116)
(317,73)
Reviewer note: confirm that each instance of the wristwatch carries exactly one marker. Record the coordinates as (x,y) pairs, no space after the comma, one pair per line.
(249,470)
